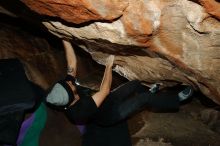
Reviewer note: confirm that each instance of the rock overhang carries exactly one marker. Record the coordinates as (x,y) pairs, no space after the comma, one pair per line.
(163,41)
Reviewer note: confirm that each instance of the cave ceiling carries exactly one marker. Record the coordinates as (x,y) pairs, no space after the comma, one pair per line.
(164,41)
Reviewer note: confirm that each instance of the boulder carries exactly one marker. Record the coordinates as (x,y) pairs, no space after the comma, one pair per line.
(165,41)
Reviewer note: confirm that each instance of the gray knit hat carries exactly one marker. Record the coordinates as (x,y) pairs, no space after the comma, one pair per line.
(58,95)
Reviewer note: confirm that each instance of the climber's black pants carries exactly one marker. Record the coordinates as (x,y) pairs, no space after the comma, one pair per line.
(130,98)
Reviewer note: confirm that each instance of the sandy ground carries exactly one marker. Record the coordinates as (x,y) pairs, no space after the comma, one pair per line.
(193,125)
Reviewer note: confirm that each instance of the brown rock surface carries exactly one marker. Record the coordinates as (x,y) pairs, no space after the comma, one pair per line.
(167,41)
(212,7)
(42,64)
(184,128)
(79,11)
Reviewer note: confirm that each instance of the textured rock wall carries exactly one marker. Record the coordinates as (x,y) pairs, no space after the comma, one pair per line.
(167,41)
(42,64)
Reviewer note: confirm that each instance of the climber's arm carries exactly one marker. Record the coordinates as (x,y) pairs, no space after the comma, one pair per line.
(105,87)
(70,58)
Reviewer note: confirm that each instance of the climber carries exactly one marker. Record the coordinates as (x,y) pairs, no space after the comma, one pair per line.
(104,107)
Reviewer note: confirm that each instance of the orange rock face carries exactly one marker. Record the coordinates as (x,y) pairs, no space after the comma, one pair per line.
(137,21)
(212,7)
(79,11)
